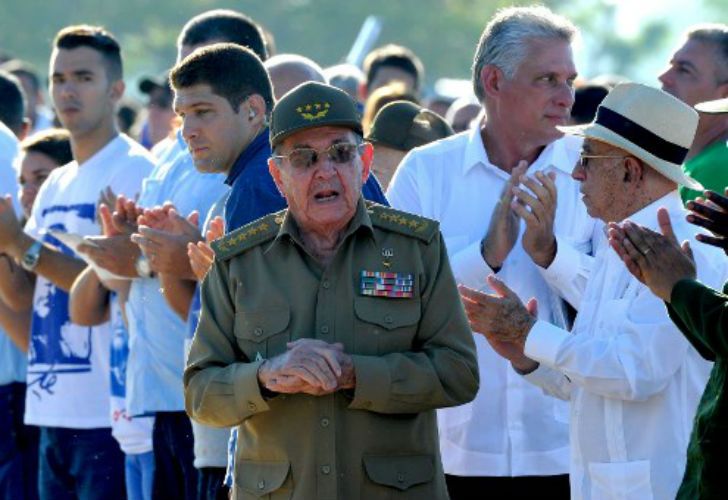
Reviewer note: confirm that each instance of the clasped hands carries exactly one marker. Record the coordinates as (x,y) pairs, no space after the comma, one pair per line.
(309,366)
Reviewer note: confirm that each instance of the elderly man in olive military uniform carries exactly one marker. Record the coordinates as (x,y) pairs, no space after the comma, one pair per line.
(330,332)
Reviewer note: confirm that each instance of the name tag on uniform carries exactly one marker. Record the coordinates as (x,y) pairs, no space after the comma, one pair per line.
(386,284)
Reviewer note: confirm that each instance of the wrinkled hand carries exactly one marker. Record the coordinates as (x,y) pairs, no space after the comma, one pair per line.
(501,315)
(309,366)
(166,246)
(655,259)
(711,213)
(126,213)
(504,225)
(538,210)
(201,254)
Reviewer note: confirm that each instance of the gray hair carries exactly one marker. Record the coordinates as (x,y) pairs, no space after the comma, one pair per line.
(717,36)
(504,40)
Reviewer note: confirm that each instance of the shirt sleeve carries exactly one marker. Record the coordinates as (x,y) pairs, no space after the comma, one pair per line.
(569,272)
(441,370)
(552,382)
(701,313)
(221,384)
(403,192)
(634,357)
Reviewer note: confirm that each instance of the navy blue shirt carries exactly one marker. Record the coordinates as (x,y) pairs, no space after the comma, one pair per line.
(254,194)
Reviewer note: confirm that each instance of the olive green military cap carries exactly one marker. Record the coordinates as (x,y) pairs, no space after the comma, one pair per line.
(312,104)
(718,106)
(404,125)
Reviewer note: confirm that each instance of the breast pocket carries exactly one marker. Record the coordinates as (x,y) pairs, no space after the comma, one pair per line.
(385,325)
(625,480)
(263,333)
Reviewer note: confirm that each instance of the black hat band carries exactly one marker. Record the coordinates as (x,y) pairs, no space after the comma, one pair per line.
(640,136)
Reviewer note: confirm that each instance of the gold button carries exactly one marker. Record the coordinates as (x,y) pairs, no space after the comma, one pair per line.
(258,332)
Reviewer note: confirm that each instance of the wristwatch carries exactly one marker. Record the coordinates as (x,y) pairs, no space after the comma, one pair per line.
(142,267)
(31,256)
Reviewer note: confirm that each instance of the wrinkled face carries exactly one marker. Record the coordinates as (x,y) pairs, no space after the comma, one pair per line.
(541,93)
(602,180)
(388,74)
(214,132)
(34,170)
(386,161)
(83,96)
(692,76)
(323,196)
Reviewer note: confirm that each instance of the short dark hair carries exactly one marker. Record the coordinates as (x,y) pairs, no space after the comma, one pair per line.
(21,68)
(232,71)
(225,26)
(397,56)
(717,36)
(12,102)
(96,38)
(55,143)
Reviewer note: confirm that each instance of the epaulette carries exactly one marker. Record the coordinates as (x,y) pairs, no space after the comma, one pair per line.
(254,233)
(402,222)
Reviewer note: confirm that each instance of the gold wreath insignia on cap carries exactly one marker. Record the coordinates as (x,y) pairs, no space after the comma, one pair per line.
(322,109)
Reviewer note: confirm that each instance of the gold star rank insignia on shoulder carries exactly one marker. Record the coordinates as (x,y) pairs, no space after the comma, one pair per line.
(386,284)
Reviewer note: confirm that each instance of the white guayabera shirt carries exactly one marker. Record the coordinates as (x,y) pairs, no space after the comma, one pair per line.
(633,380)
(511,428)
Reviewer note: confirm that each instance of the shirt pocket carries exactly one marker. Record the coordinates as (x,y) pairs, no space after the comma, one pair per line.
(269,480)
(263,333)
(624,480)
(385,325)
(398,474)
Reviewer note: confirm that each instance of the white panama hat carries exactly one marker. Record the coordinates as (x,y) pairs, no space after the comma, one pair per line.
(648,123)
(713,107)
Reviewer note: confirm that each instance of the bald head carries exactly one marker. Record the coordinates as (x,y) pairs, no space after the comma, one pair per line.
(290,70)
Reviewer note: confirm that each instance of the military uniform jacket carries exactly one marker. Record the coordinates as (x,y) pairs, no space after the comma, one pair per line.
(411,346)
(701,313)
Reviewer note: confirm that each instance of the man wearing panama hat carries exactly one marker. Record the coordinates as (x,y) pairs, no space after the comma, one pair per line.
(632,379)
(700,312)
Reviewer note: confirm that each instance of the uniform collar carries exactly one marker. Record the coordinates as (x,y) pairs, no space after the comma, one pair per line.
(554,156)
(289,230)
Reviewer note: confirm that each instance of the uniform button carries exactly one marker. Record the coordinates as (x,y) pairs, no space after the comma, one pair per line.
(324,422)
(400,477)
(252,406)
(324,329)
(326,469)
(258,332)
(261,484)
(326,284)
(387,318)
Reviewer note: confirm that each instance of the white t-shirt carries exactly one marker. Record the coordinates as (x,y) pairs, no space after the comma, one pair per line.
(68,364)
(134,435)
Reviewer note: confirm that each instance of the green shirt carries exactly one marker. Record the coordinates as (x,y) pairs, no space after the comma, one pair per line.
(710,168)
(701,313)
(411,356)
